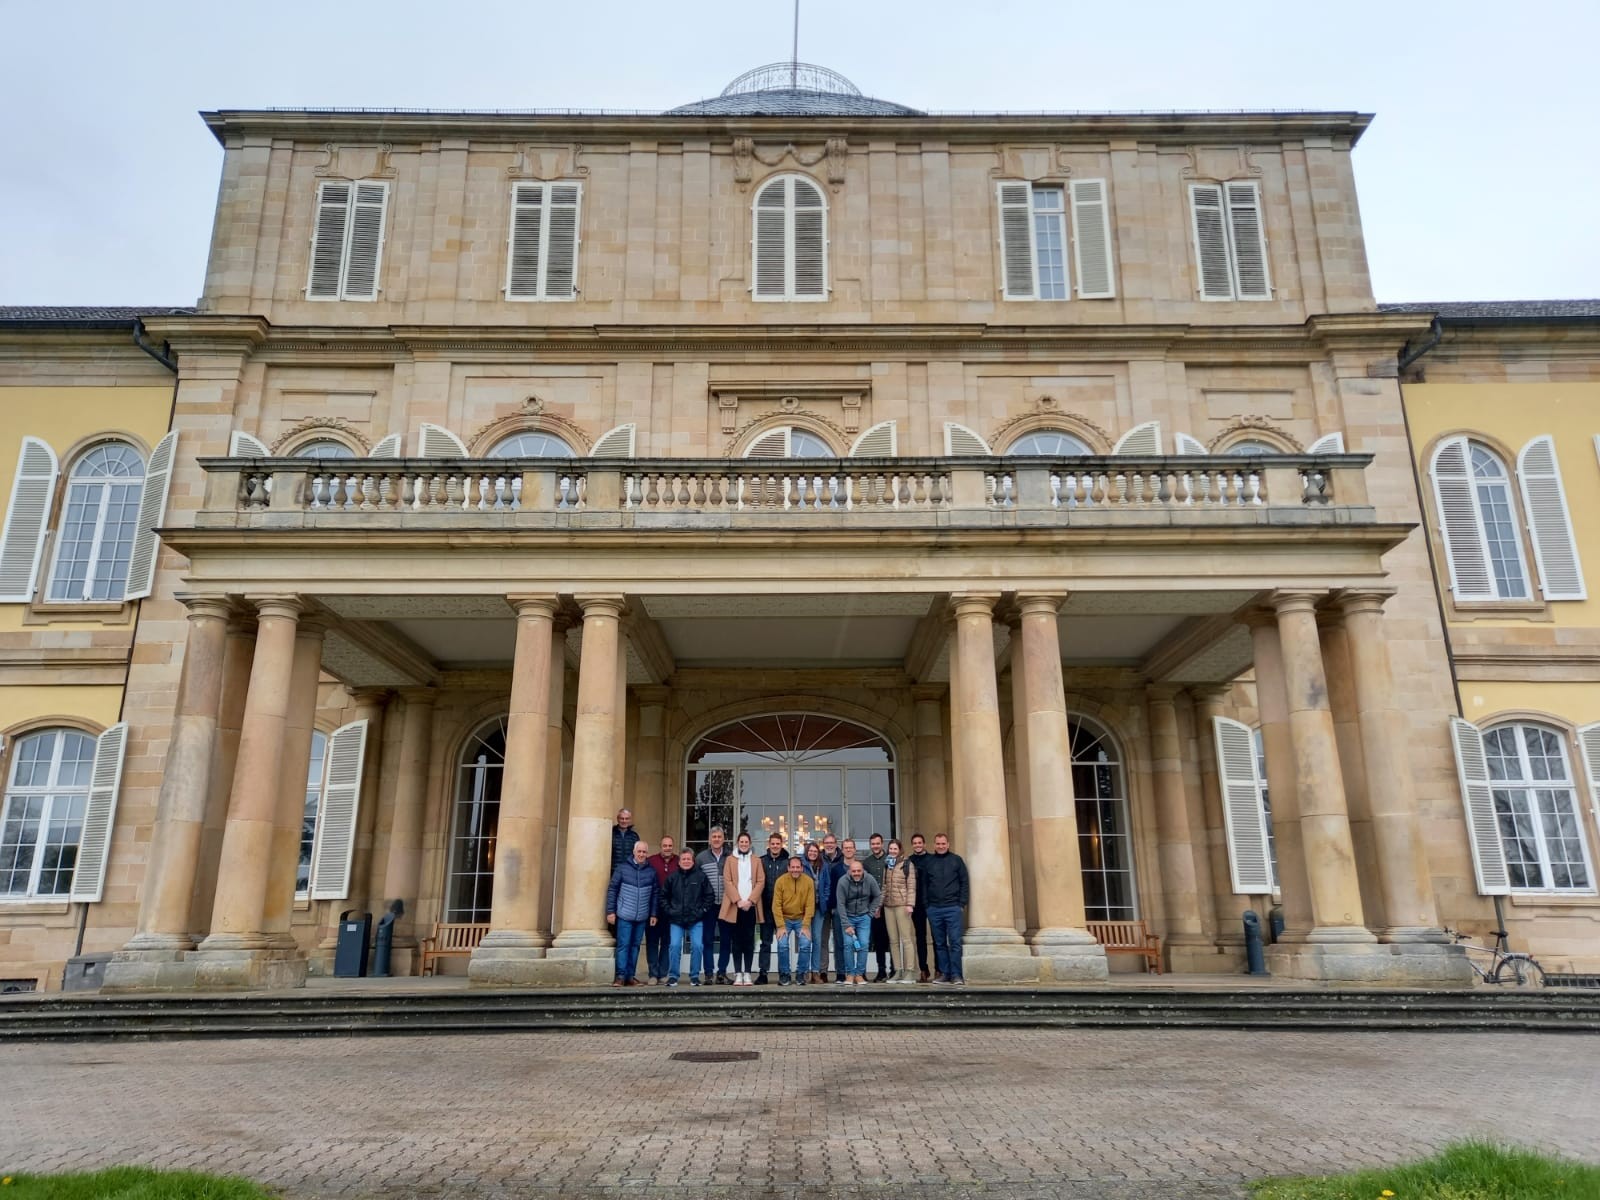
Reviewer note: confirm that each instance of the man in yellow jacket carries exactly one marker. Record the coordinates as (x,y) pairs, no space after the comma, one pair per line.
(794,903)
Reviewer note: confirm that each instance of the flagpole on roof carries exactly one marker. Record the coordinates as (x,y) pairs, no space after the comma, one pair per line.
(794,54)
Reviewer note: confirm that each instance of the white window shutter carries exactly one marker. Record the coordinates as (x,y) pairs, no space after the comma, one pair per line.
(328,240)
(1589,740)
(526,255)
(1210,241)
(959,440)
(877,442)
(335,841)
(388,447)
(1141,439)
(1182,443)
(1331,443)
(615,443)
(434,441)
(1464,549)
(33,492)
(810,242)
(1091,235)
(1247,232)
(94,850)
(770,445)
(768,240)
(152,508)
(1016,242)
(242,445)
(365,257)
(1555,549)
(1477,795)
(1244,818)
(561,244)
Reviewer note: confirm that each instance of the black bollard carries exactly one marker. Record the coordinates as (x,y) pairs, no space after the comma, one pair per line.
(384,942)
(1254,955)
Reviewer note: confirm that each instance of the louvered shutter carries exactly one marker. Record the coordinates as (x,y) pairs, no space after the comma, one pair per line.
(1555,549)
(770,445)
(437,442)
(527,241)
(1091,235)
(768,240)
(561,247)
(1184,444)
(810,242)
(327,241)
(615,443)
(959,440)
(1247,232)
(1477,797)
(1141,439)
(334,844)
(366,242)
(242,445)
(1332,443)
(1210,241)
(877,442)
(22,544)
(1243,816)
(94,849)
(1589,740)
(388,447)
(1464,548)
(1016,241)
(152,509)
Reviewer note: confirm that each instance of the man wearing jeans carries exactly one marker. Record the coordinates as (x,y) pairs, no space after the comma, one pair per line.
(665,863)
(774,865)
(631,906)
(942,882)
(710,863)
(860,900)
(685,900)
(794,903)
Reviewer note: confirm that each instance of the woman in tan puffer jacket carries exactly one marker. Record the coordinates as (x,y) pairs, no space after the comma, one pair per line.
(899,898)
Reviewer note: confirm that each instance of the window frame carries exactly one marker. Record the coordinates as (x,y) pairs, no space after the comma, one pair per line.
(1530,598)
(1225,209)
(342,292)
(541,293)
(1530,785)
(69,480)
(790,250)
(52,795)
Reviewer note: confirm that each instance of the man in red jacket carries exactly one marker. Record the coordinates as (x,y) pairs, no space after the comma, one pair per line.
(658,936)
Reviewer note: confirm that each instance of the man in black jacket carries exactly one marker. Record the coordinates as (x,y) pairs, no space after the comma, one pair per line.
(774,862)
(942,879)
(685,901)
(623,836)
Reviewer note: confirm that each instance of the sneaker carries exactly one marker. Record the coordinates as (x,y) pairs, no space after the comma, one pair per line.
(957,982)
(940,978)
(671,982)
(723,978)
(841,980)
(694,983)
(783,981)
(800,981)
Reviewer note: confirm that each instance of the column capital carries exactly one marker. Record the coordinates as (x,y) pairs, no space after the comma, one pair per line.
(371,697)
(289,606)
(1285,602)
(1162,693)
(603,605)
(1210,695)
(313,625)
(1259,616)
(974,604)
(1036,603)
(200,607)
(419,695)
(929,692)
(1362,599)
(535,606)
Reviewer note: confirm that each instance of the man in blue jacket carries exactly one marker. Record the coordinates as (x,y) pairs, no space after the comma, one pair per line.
(631,904)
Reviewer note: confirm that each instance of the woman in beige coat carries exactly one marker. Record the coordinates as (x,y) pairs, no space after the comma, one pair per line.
(899,898)
(743,881)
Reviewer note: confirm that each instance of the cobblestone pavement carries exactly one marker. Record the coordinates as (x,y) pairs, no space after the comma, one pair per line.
(1003,1114)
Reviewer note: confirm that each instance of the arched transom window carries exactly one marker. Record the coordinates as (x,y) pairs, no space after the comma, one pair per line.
(531,443)
(1536,809)
(95,544)
(789,242)
(1105,842)
(46,798)
(324,448)
(1478,514)
(1049,443)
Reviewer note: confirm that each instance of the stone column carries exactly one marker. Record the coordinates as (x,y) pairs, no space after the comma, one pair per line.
(1401,857)
(402,851)
(163,930)
(514,935)
(1063,945)
(1184,936)
(240,952)
(583,951)
(650,771)
(370,705)
(1282,779)
(958,802)
(1347,732)
(1211,703)
(237,655)
(555,808)
(993,950)
(298,726)
(1019,811)
(933,800)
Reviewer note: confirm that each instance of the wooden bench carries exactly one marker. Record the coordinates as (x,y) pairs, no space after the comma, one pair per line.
(1129,937)
(450,940)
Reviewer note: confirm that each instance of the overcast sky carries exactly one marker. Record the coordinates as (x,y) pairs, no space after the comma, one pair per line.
(1480,178)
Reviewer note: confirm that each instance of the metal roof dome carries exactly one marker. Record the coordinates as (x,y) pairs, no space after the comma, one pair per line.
(793,89)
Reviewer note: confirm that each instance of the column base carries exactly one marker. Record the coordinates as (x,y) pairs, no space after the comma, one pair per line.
(1394,964)
(997,956)
(575,959)
(205,970)
(1427,935)
(501,958)
(1069,956)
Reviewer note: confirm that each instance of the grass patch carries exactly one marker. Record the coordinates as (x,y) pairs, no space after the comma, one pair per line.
(129,1183)
(1465,1171)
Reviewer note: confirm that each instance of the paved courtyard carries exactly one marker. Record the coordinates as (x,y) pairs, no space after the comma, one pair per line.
(864,1113)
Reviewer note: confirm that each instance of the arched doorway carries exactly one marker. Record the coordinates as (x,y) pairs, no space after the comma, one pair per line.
(474,821)
(802,775)
(1105,835)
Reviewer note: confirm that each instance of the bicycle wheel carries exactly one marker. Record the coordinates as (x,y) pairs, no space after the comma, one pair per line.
(1520,970)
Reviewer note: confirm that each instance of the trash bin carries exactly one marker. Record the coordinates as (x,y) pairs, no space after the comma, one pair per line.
(350,953)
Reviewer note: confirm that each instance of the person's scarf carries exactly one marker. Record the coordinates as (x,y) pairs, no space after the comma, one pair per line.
(746,875)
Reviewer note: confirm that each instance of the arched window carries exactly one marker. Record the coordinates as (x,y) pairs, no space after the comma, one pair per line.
(324,448)
(46,798)
(531,443)
(1252,447)
(308,823)
(789,241)
(95,543)
(789,441)
(469,888)
(1536,809)
(1105,842)
(1049,443)
(1482,528)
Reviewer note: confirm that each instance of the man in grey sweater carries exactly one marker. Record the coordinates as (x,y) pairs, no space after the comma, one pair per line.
(859,900)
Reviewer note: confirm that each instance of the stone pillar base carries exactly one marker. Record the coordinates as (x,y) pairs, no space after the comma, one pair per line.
(1430,935)
(500,958)
(573,960)
(997,956)
(1396,964)
(1069,956)
(205,970)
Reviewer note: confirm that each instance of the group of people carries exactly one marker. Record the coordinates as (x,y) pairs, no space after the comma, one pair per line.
(889,905)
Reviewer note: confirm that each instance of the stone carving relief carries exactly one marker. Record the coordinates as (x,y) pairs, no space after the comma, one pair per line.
(833,151)
(1048,414)
(543,160)
(532,415)
(1033,162)
(1246,168)
(350,161)
(327,425)
(790,398)
(1255,426)
(805,416)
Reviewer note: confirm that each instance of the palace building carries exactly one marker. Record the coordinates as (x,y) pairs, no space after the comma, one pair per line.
(793,460)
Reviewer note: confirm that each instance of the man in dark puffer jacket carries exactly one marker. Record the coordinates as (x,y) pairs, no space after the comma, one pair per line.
(631,903)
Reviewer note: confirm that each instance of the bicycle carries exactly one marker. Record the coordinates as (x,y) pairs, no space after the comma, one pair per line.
(1504,966)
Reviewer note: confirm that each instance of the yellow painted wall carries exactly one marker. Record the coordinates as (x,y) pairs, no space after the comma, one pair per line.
(88,703)
(1510,415)
(64,417)
(1578,703)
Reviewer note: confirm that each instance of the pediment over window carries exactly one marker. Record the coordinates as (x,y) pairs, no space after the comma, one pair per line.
(836,403)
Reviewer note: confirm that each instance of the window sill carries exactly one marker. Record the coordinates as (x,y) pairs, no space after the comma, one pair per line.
(50,612)
(30,906)
(1466,610)
(1574,899)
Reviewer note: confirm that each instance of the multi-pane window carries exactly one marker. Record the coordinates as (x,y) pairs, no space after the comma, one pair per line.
(1035,240)
(1497,512)
(789,441)
(1536,810)
(789,241)
(46,798)
(1230,241)
(308,819)
(347,240)
(532,444)
(469,890)
(1105,837)
(1047,443)
(542,263)
(324,448)
(99,524)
